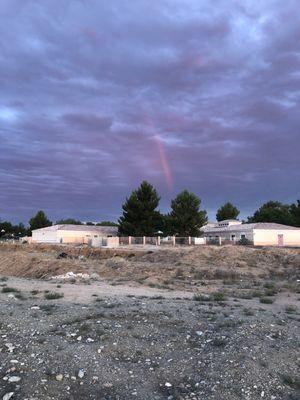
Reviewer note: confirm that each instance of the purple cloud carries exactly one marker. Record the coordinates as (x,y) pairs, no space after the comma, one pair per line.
(86,89)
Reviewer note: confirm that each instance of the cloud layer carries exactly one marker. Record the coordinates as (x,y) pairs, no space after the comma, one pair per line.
(87,88)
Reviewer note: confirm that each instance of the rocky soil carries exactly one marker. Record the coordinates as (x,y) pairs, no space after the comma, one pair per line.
(226,326)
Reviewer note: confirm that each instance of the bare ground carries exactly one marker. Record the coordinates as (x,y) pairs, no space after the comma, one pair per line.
(183,323)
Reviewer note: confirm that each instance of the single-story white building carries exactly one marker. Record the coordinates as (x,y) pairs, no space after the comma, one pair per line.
(88,234)
(259,234)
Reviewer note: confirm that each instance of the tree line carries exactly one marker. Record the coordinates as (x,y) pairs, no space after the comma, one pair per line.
(141,216)
(40,220)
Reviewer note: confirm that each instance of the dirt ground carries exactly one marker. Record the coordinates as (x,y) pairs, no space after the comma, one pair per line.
(178,323)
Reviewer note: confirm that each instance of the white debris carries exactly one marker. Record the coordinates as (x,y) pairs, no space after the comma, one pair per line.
(168,384)
(80,373)
(10,347)
(13,379)
(7,396)
(72,275)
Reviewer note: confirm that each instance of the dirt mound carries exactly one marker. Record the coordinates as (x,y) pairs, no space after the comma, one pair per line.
(175,266)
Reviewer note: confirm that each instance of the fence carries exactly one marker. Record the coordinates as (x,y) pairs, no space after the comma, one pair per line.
(179,241)
(218,241)
(161,241)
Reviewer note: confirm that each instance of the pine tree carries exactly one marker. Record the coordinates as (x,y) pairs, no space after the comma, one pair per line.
(140,217)
(39,221)
(227,211)
(295,213)
(273,211)
(186,218)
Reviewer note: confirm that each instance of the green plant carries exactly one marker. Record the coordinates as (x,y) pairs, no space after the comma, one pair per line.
(8,289)
(266,300)
(53,296)
(290,309)
(292,381)
(244,242)
(201,297)
(218,296)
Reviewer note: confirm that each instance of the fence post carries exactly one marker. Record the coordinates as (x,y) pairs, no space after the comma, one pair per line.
(129,240)
(220,241)
(144,240)
(158,240)
(190,240)
(174,240)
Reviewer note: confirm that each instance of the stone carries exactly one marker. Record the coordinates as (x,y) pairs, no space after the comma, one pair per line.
(7,396)
(59,377)
(13,379)
(80,373)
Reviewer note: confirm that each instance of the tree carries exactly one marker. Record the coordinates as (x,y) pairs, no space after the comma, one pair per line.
(68,221)
(295,213)
(39,221)
(106,223)
(186,218)
(140,217)
(273,211)
(7,228)
(227,211)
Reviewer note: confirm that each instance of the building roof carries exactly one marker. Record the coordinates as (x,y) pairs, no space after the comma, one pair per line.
(109,230)
(249,227)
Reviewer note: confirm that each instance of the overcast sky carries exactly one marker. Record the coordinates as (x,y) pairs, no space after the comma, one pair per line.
(96,96)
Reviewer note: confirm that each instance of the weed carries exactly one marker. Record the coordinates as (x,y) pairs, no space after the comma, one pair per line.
(20,296)
(219,342)
(266,300)
(218,296)
(292,381)
(53,296)
(34,292)
(8,289)
(201,297)
(290,309)
(248,312)
(47,307)
(269,285)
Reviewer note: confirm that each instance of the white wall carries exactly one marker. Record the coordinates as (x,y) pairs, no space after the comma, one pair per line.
(44,236)
(269,237)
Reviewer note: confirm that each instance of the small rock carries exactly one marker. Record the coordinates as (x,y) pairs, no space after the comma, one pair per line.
(80,373)
(13,379)
(167,384)
(7,396)
(59,377)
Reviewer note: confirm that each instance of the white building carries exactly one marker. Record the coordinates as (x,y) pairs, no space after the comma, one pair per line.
(259,234)
(92,235)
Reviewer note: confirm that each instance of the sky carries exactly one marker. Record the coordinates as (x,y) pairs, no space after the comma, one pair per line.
(96,96)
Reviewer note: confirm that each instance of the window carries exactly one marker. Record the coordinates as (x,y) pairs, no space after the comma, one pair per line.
(95,235)
(232,237)
(243,236)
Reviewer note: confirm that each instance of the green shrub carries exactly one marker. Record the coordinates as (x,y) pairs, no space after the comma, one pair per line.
(8,289)
(218,296)
(201,297)
(244,242)
(53,296)
(290,309)
(266,300)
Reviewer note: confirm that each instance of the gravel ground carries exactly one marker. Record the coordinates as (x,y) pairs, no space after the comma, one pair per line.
(143,347)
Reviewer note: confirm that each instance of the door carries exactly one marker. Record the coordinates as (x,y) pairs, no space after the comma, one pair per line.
(280,240)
